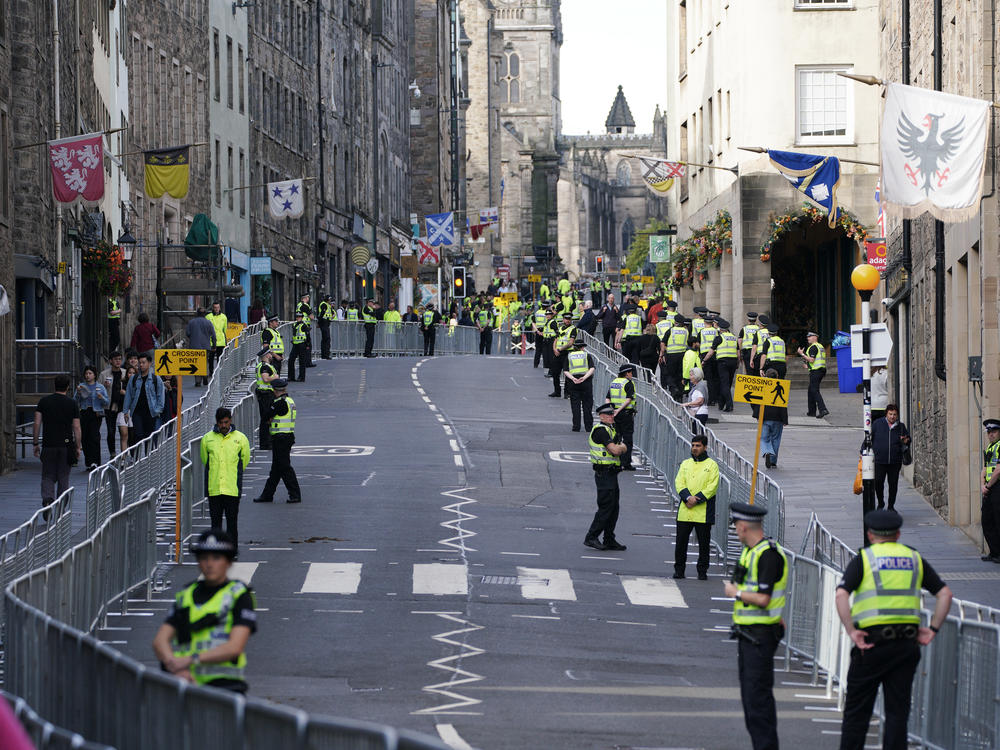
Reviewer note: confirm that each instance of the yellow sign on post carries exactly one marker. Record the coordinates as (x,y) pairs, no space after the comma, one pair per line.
(169,362)
(233,331)
(534,278)
(647,279)
(509,296)
(751,389)
(624,272)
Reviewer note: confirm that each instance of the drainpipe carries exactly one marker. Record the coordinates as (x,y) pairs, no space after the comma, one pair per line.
(939,344)
(60,278)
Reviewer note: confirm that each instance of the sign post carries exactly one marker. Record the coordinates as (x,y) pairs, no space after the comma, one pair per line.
(750,389)
(180,362)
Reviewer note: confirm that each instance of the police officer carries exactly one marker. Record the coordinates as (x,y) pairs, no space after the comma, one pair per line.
(759,339)
(709,336)
(883,623)
(538,321)
(758,586)
(114,324)
(579,383)
(353,316)
(629,331)
(727,358)
(300,335)
(698,321)
(371,315)
(271,338)
(326,316)
(266,374)
(548,335)
(484,323)
(696,483)
(281,415)
(815,356)
(621,395)
(606,449)
(204,637)
(561,345)
(746,339)
(991,496)
(773,354)
(672,348)
(306,309)
(429,320)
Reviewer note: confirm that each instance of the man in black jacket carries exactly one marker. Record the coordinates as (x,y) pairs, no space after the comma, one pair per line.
(889,438)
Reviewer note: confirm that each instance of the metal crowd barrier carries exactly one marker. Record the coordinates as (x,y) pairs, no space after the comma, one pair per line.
(347,339)
(44,735)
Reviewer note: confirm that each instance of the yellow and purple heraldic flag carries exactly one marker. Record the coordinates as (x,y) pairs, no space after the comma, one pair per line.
(817,177)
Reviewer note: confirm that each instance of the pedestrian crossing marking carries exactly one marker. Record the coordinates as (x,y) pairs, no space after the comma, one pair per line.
(243,571)
(647,591)
(440,579)
(332,578)
(546,583)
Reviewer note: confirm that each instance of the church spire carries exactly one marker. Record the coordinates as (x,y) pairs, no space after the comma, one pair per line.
(620,118)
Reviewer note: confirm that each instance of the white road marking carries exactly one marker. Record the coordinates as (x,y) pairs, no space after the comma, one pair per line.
(626,622)
(458,461)
(270,549)
(426,399)
(429,612)
(454,445)
(537,617)
(554,583)
(433,408)
(440,418)
(355,549)
(340,611)
(243,571)
(367,479)
(599,557)
(420,391)
(448,430)
(523,554)
(647,591)
(440,579)
(332,578)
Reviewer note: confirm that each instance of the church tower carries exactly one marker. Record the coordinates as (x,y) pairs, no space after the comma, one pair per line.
(620,120)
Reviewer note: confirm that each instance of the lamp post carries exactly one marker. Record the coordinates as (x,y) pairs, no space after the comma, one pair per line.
(865,278)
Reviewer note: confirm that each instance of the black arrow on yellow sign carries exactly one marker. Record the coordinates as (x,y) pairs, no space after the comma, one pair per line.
(753,397)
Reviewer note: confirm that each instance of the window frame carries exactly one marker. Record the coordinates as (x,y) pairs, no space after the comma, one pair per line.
(823,5)
(828,140)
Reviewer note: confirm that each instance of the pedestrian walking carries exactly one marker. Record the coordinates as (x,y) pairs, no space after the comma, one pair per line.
(560,348)
(220,322)
(890,440)
(92,399)
(621,395)
(775,419)
(266,374)
(145,336)
(579,383)
(428,327)
(112,378)
(144,399)
(300,334)
(271,338)
(204,638)
(371,315)
(697,401)
(225,453)
(606,450)
(727,353)
(759,586)
(991,495)
(123,423)
(56,439)
(815,356)
(696,483)
(114,324)
(282,418)
(673,346)
(326,317)
(883,623)
(201,335)
(608,316)
(649,348)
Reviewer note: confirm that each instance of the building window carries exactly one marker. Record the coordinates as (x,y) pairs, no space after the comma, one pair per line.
(229,72)
(217,88)
(4,165)
(229,175)
(684,157)
(624,173)
(824,105)
(241,74)
(682,51)
(510,86)
(823,4)
(242,177)
(218,173)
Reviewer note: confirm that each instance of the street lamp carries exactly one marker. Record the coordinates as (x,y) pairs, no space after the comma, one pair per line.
(865,278)
(127,243)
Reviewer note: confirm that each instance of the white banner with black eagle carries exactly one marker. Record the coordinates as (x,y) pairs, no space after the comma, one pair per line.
(933,152)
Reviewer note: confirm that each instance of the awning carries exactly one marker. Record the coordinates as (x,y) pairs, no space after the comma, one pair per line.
(30,267)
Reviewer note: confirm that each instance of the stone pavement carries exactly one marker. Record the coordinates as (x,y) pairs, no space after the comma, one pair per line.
(816,467)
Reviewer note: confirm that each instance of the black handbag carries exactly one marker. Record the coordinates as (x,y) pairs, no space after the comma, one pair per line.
(907,455)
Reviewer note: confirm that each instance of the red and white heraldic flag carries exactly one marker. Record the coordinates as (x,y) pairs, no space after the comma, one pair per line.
(77,165)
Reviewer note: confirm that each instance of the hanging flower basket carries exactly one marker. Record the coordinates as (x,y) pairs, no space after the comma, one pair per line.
(803,217)
(701,251)
(105,264)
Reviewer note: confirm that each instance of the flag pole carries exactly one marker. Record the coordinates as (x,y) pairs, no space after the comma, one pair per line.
(265,184)
(42,143)
(133,153)
(734,170)
(762,150)
(873,81)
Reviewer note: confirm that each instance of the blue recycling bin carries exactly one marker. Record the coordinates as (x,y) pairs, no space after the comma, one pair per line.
(848,376)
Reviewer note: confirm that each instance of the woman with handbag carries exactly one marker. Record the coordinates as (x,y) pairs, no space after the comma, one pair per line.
(891,445)
(92,398)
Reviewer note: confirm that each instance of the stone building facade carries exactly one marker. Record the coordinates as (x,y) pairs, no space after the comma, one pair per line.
(8,320)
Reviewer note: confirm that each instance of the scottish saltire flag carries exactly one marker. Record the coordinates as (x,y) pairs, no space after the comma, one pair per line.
(659,175)
(440,228)
(285,199)
(816,176)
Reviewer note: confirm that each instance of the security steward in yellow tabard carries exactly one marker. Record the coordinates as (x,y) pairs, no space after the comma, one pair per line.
(746,338)
(774,354)
(271,338)
(282,418)
(606,449)
(672,348)
(696,483)
(266,374)
(561,345)
(991,495)
(759,587)
(204,637)
(579,383)
(621,395)
(300,335)
(883,622)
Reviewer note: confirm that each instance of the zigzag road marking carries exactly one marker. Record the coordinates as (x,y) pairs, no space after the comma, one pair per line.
(455,524)
(459,676)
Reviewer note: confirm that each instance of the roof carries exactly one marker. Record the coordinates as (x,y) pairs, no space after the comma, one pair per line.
(620,115)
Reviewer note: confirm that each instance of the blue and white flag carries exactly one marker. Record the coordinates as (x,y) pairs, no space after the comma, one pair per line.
(440,228)
(285,199)
(816,176)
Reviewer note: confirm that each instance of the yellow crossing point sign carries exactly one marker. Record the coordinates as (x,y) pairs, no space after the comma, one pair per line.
(624,272)
(233,331)
(750,389)
(534,278)
(647,280)
(509,296)
(168,362)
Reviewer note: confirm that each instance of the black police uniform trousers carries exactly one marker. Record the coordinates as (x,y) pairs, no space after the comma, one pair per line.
(814,397)
(369,339)
(608,496)
(281,468)
(429,334)
(555,372)
(264,400)
(114,334)
(547,352)
(276,362)
(486,340)
(991,520)
(892,665)
(309,347)
(756,666)
(747,364)
(609,336)
(630,349)
(219,505)
(324,332)
(671,370)
(299,355)
(782,368)
(536,337)
(727,371)
(703,531)
(711,368)
(625,427)
(581,399)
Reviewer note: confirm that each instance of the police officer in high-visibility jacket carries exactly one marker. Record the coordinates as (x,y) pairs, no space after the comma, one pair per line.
(300,334)
(266,374)
(629,332)
(371,315)
(305,308)
(774,354)
(353,315)
(538,320)
(672,348)
(759,587)
(606,450)
(991,495)
(271,338)
(727,358)
(760,338)
(815,356)
(747,336)
(561,345)
(326,316)
(579,383)
(621,395)
(484,324)
(708,336)
(429,320)
(883,622)
(204,637)
(282,418)
(696,483)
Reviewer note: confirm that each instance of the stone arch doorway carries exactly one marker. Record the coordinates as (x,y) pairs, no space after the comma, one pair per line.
(811,282)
